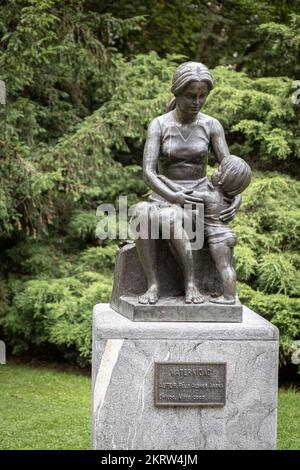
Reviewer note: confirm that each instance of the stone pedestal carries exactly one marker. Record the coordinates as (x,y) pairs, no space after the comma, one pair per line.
(124,355)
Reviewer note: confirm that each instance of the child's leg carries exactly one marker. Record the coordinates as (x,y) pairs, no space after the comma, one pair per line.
(222,254)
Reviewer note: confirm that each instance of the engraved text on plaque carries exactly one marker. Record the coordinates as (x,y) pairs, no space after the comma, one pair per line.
(189,384)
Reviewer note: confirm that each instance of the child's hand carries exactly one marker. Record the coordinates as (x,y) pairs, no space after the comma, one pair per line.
(229,213)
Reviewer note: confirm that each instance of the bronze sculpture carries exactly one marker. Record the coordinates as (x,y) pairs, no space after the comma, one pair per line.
(162,277)
(174,166)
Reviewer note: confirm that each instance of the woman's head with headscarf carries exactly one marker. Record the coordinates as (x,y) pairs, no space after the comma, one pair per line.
(186,76)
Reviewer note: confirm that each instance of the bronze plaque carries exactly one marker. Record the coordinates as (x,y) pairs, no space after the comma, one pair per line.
(189,383)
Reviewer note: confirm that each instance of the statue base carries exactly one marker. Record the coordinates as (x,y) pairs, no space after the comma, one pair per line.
(130,283)
(183,385)
(175,309)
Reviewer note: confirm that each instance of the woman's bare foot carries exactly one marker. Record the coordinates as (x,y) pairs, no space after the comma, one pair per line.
(150,296)
(223,300)
(192,295)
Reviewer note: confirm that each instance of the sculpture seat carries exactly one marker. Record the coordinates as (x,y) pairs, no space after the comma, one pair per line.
(130,282)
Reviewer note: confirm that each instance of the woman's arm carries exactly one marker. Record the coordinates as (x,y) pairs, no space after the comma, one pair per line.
(151,154)
(221,150)
(218,141)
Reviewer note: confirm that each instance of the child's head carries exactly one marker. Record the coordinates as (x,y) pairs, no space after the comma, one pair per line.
(234,175)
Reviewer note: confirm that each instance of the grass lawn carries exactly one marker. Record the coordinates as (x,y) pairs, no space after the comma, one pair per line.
(44,408)
(288,431)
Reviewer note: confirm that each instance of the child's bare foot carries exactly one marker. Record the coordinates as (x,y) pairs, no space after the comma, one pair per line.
(223,300)
(192,295)
(150,296)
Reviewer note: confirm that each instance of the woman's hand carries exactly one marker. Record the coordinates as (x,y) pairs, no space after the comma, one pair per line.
(185,196)
(181,195)
(229,213)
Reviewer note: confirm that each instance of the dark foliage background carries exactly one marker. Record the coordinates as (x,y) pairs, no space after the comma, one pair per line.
(83,79)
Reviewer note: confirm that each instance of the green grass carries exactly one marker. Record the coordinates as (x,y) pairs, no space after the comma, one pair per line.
(44,408)
(288,431)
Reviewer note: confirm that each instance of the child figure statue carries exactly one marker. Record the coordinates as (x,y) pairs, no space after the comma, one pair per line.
(232,177)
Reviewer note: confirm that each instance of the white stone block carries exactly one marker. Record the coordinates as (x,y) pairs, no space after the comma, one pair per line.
(124,414)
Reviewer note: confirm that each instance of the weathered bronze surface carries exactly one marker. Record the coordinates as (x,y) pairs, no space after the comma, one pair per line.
(174,168)
(189,384)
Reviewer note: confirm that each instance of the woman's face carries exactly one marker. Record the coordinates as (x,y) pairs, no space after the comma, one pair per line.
(192,98)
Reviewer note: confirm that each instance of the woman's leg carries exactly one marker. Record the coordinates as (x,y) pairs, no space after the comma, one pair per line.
(222,254)
(147,252)
(180,245)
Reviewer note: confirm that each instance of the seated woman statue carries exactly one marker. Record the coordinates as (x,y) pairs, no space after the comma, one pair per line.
(176,150)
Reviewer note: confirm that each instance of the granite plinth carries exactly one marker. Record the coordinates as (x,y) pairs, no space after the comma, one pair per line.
(124,412)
